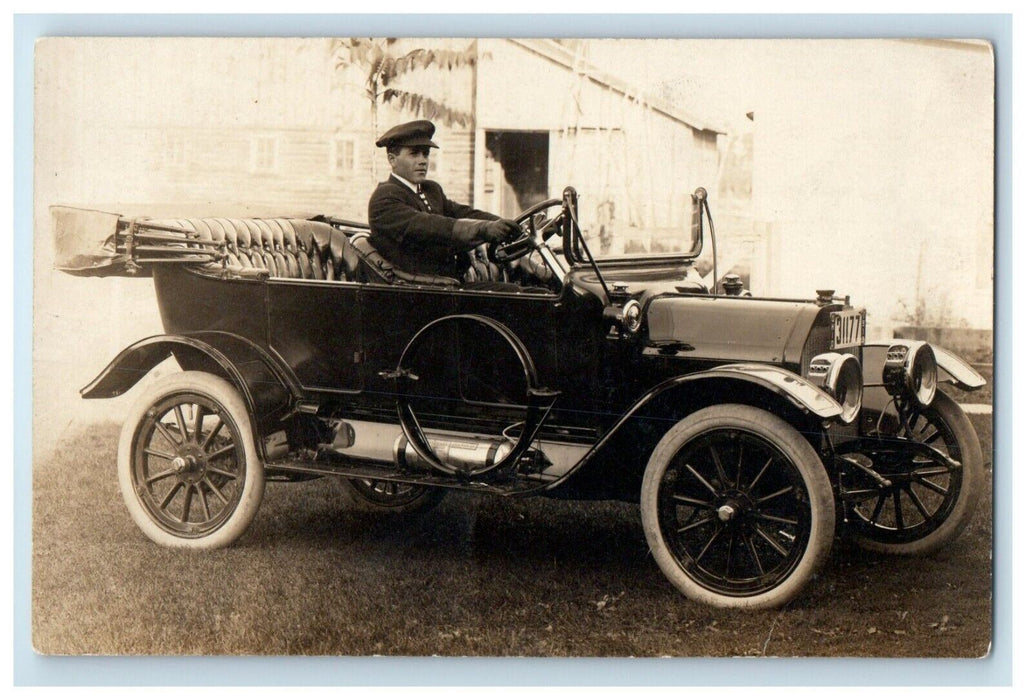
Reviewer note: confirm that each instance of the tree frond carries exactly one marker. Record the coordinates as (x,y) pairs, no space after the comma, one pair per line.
(382,67)
(425,58)
(426,107)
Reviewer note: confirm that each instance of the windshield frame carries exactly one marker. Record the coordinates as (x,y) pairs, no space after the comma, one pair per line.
(573,242)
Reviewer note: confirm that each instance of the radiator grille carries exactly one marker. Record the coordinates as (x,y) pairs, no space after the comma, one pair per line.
(819,341)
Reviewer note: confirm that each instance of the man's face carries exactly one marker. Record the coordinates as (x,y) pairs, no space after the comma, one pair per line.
(410,163)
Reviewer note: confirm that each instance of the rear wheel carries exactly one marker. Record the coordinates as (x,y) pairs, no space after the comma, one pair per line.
(932,493)
(737,508)
(187,465)
(390,497)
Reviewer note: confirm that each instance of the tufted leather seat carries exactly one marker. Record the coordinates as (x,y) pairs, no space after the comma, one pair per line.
(293,248)
(307,249)
(376,268)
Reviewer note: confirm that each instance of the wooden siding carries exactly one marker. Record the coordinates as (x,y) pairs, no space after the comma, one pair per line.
(158,128)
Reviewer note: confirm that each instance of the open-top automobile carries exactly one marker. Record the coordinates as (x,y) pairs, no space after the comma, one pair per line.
(750,430)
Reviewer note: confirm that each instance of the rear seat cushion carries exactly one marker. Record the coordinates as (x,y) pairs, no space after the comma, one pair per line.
(290,248)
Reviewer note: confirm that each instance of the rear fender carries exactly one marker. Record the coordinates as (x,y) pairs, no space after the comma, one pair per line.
(264,385)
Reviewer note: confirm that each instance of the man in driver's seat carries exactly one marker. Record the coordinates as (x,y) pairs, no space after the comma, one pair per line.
(412,223)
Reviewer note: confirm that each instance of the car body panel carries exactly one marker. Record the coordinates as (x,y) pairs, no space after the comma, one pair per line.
(331,347)
(723,328)
(315,328)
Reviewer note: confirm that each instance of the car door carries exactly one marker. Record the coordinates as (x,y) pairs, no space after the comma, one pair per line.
(563,337)
(490,372)
(391,316)
(315,326)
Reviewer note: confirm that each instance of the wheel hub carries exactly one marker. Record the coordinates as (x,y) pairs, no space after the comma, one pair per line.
(190,464)
(734,507)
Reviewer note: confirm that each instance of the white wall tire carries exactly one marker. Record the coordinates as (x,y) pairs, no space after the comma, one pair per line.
(737,508)
(187,465)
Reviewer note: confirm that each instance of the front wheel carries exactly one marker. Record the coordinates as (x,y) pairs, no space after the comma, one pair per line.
(933,488)
(187,465)
(737,508)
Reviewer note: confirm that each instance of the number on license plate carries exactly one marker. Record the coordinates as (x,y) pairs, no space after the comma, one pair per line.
(847,328)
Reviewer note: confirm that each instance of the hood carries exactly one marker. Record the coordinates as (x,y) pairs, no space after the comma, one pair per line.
(721,328)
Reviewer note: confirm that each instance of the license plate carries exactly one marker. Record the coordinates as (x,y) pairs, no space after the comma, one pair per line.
(847,328)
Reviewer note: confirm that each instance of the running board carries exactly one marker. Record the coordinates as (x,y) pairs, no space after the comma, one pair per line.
(523,484)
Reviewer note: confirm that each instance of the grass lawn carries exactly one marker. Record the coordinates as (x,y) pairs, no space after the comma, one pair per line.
(478,576)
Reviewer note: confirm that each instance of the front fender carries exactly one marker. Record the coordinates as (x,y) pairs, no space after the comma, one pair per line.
(781,383)
(953,369)
(264,386)
(790,386)
(633,436)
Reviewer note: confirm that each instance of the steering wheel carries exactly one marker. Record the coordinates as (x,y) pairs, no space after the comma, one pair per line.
(524,242)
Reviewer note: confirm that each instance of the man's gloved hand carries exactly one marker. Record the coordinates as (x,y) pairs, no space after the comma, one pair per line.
(473,231)
(501,229)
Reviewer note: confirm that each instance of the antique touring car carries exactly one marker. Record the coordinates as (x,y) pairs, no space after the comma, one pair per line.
(749,429)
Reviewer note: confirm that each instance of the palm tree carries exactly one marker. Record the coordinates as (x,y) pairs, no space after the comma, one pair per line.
(383,65)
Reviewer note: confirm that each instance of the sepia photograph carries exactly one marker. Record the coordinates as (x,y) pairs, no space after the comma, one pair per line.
(513,347)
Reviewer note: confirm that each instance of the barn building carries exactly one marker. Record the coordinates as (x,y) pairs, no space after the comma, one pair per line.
(276,126)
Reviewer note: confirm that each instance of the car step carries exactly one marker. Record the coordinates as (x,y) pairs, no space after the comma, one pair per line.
(353,469)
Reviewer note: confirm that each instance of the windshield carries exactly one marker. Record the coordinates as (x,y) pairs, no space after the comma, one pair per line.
(616,229)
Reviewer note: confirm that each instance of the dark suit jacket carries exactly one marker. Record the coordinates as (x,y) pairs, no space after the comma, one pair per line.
(412,238)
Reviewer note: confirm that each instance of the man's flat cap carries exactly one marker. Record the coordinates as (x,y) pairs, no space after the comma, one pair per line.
(416,133)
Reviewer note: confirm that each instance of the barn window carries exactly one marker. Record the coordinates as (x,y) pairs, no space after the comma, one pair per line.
(264,154)
(343,156)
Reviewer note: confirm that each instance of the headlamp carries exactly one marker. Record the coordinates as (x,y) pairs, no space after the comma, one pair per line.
(840,376)
(631,316)
(911,370)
